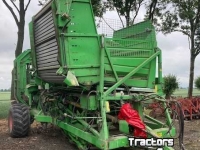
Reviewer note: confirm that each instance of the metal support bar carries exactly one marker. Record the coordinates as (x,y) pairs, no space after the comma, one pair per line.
(124,97)
(131,74)
(160,67)
(79,35)
(74,117)
(167,114)
(85,124)
(104,131)
(109,59)
(154,120)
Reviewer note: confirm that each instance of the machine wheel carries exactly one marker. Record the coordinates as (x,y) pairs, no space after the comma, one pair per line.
(19,121)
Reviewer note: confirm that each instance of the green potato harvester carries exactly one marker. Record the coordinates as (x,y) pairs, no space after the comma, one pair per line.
(78,80)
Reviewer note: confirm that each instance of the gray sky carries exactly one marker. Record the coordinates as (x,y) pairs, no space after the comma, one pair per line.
(174,47)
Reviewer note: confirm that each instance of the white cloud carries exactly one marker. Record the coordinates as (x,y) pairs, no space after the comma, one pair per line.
(176,57)
(1,78)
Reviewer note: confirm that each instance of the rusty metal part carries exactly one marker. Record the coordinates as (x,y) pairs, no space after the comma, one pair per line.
(190,107)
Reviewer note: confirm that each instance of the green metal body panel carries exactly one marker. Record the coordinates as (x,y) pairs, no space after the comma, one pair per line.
(123,126)
(21,75)
(79,78)
(79,45)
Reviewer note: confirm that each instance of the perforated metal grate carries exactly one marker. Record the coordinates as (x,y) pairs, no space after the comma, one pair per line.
(128,53)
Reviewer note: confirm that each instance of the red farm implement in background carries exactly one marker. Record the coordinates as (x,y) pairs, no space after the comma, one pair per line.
(190,107)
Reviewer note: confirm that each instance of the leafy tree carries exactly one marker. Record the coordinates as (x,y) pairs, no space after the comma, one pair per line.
(98,7)
(19,17)
(127,8)
(182,16)
(170,85)
(154,9)
(197,82)
(151,7)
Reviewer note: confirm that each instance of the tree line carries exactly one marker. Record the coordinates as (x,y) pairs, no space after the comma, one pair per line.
(5,90)
(168,16)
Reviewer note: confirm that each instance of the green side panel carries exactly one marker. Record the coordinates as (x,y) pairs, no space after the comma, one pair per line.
(83,51)
(82,43)
(129,48)
(123,70)
(123,127)
(82,19)
(21,75)
(124,55)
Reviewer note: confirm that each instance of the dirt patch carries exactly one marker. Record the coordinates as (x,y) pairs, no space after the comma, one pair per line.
(53,139)
(192,135)
(38,139)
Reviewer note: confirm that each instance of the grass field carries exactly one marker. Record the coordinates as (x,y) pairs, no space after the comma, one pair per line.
(4,96)
(4,104)
(183,92)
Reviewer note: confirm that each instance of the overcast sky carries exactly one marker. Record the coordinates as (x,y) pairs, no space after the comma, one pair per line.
(174,47)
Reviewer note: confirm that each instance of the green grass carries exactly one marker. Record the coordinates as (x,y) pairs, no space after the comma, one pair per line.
(4,104)
(4,107)
(4,96)
(183,92)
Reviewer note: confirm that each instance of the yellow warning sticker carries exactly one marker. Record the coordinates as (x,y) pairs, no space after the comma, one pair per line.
(159,134)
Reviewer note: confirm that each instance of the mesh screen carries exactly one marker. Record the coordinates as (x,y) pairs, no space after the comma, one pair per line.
(109,26)
(112,28)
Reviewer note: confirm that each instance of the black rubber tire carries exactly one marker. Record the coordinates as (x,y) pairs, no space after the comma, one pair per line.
(19,121)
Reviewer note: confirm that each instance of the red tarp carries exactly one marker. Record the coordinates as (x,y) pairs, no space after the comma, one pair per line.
(132,117)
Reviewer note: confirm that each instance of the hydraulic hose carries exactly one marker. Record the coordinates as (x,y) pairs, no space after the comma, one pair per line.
(181,124)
